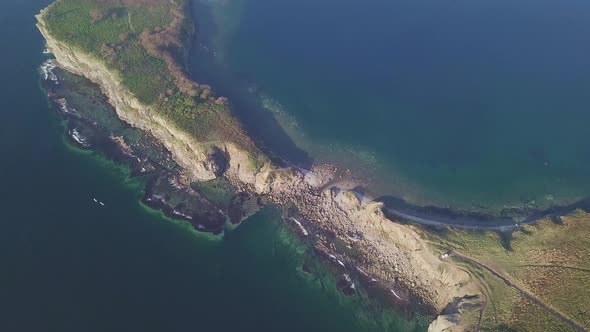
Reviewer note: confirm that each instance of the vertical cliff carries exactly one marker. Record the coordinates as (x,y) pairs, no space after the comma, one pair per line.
(198,158)
(394,255)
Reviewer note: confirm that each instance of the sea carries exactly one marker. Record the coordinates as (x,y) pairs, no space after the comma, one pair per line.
(463,104)
(475,105)
(70,264)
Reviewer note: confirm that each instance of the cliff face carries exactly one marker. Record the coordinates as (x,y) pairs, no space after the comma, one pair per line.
(392,254)
(198,158)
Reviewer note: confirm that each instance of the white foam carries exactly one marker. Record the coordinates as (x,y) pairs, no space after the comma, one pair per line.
(303,230)
(362,272)
(178,213)
(78,137)
(47,71)
(395,294)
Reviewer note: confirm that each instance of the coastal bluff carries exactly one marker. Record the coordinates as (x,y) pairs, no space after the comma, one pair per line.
(391,255)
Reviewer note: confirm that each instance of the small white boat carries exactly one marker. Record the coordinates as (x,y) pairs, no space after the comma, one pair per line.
(101,203)
(95,200)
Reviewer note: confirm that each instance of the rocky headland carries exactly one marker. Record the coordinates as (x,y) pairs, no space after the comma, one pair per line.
(349,229)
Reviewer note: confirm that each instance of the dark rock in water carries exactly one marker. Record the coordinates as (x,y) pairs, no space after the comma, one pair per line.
(305,267)
(93,124)
(181,202)
(345,285)
(242,206)
(77,138)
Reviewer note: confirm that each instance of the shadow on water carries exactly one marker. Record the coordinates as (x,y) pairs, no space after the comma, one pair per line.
(270,137)
(398,206)
(438,217)
(260,123)
(555,213)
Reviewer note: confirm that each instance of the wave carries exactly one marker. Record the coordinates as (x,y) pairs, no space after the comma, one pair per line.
(46,70)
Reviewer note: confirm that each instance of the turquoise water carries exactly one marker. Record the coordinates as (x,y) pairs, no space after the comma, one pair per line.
(70,265)
(464,103)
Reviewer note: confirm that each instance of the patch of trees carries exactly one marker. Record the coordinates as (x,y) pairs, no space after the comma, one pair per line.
(108,52)
(162,42)
(123,37)
(133,2)
(222,101)
(98,14)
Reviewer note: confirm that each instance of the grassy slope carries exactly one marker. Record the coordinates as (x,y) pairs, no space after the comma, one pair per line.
(111,29)
(542,260)
(550,260)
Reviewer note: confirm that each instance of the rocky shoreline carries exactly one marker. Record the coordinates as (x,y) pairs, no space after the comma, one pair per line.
(74,97)
(165,190)
(346,228)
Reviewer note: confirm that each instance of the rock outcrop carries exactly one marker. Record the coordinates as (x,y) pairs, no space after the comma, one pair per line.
(196,157)
(392,254)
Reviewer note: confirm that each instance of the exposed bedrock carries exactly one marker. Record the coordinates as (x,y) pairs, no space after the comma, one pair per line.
(395,255)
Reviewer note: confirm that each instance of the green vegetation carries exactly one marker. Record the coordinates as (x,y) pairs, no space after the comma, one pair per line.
(144,41)
(217,191)
(106,30)
(549,260)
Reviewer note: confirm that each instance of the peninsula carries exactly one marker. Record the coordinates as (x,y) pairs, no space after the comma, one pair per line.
(135,51)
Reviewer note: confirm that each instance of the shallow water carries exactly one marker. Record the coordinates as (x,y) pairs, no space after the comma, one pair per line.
(69,264)
(469,104)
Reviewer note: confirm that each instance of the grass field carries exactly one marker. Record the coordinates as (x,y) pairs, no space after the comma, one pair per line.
(549,259)
(109,35)
(144,41)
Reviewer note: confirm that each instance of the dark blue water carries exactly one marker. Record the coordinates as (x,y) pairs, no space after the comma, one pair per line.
(69,264)
(457,102)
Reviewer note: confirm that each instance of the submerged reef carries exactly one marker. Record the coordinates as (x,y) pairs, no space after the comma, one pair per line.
(203,167)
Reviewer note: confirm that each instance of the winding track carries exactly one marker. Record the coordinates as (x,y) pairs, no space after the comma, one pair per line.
(524,292)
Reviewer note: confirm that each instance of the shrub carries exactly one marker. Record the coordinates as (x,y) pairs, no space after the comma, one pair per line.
(97,14)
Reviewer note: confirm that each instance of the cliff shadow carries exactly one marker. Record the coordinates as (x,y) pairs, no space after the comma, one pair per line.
(398,208)
(439,217)
(259,123)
